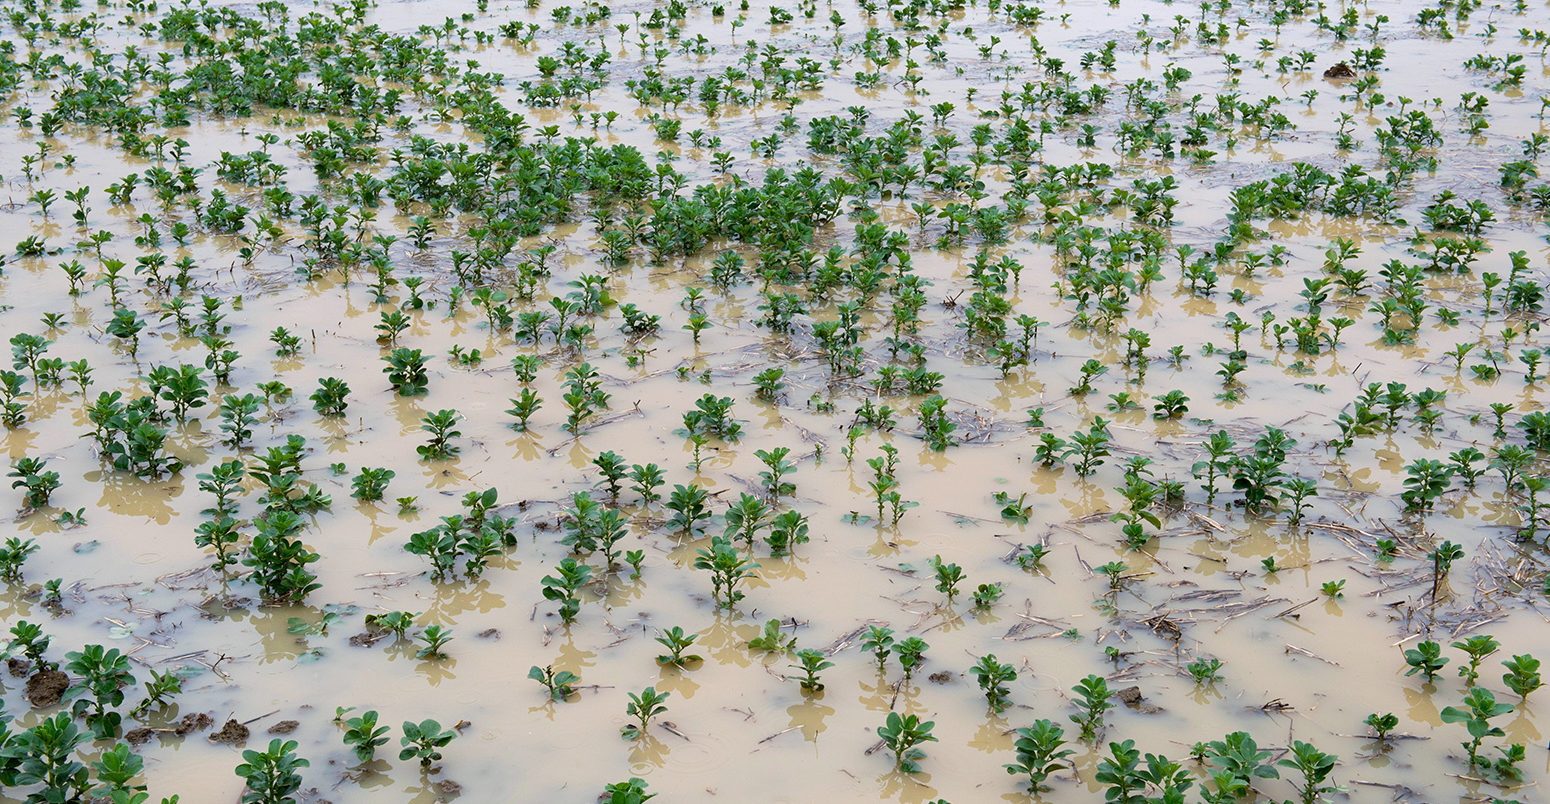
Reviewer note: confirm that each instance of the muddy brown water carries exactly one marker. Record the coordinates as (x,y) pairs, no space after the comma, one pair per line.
(1297,665)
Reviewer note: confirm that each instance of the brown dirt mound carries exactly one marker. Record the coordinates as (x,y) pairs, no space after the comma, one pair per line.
(193,722)
(46,687)
(368,638)
(231,734)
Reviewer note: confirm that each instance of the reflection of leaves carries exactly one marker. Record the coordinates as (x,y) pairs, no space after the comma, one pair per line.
(310,656)
(82,548)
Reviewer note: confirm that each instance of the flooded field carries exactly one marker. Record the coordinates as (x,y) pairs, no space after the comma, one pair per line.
(924,401)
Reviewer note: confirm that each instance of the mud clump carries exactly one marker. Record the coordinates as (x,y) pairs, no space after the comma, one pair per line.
(1131,697)
(139,736)
(447,787)
(231,734)
(366,639)
(46,687)
(1340,70)
(490,633)
(193,722)
(17,667)
(284,727)
(940,677)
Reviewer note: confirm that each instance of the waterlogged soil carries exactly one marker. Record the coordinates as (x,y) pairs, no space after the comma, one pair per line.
(1297,663)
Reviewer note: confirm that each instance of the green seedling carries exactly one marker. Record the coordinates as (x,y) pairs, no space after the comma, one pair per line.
(1171,405)
(1314,766)
(911,652)
(406,371)
(993,676)
(676,641)
(561,684)
(771,640)
(1205,671)
(811,661)
(948,576)
(1115,572)
(1425,658)
(903,736)
(1240,758)
(364,736)
(986,594)
(787,529)
(13,555)
(101,676)
(745,518)
(29,640)
(613,469)
(523,406)
(1092,701)
(1480,706)
(53,596)
(643,707)
(1031,557)
(441,426)
(329,399)
(1477,647)
(160,690)
(371,484)
(396,623)
(271,776)
(878,641)
(435,638)
(646,480)
(563,585)
(773,475)
(1522,676)
(728,569)
(35,479)
(1040,754)
(1381,725)
(424,741)
(627,792)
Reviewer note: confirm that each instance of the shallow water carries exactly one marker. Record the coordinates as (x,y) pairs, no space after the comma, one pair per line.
(1297,664)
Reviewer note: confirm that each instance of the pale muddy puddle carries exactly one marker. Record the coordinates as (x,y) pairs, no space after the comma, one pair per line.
(981,244)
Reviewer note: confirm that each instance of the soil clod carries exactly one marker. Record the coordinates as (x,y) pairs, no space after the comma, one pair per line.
(193,722)
(1131,697)
(46,687)
(1340,70)
(366,639)
(284,727)
(232,733)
